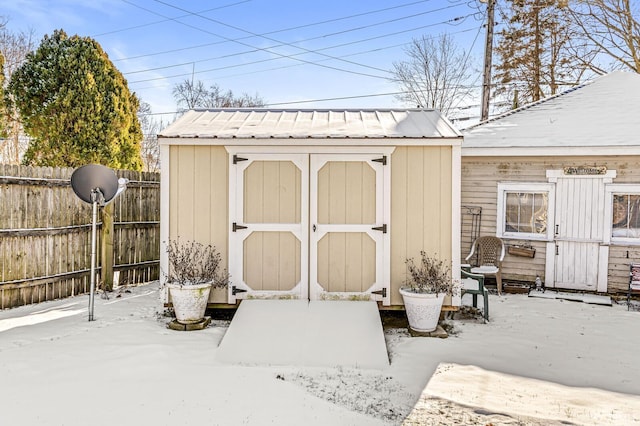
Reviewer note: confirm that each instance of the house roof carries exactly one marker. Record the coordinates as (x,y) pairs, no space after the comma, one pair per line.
(602,116)
(303,124)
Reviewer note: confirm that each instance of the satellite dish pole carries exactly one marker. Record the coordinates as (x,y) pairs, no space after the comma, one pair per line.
(97,185)
(96,198)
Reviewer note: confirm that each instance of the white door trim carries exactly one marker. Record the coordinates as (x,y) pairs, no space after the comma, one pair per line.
(236,215)
(303,155)
(382,239)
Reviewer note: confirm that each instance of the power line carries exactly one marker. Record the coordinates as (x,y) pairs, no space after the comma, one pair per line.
(297,64)
(307,40)
(341,98)
(274,40)
(165,20)
(249,45)
(293,56)
(272,32)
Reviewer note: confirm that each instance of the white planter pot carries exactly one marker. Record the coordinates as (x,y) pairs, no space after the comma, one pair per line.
(423,309)
(189,301)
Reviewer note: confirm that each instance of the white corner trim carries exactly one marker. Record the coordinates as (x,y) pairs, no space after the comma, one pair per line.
(164,214)
(456,206)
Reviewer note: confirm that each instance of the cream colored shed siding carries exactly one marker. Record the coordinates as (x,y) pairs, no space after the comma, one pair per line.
(272,194)
(421,198)
(480,176)
(346,195)
(198,197)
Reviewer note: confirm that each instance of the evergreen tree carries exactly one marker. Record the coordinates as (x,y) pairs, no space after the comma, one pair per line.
(533,50)
(76,106)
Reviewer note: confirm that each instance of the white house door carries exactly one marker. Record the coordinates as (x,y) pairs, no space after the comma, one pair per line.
(349,227)
(579,254)
(309,226)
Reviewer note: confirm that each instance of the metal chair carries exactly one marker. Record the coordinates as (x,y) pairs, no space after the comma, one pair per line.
(634,282)
(490,252)
(474,285)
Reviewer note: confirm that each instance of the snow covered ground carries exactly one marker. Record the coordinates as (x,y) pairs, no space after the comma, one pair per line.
(537,362)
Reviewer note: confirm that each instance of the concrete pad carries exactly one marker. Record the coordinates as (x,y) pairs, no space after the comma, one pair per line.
(317,333)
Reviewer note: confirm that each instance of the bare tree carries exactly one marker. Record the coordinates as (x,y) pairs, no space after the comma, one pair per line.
(149,149)
(217,98)
(610,28)
(435,75)
(189,94)
(14,48)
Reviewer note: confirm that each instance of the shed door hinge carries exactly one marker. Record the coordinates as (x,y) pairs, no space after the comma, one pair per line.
(382,160)
(382,292)
(235,290)
(237,159)
(382,228)
(235,227)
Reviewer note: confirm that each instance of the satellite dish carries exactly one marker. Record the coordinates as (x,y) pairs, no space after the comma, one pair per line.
(95,184)
(86,179)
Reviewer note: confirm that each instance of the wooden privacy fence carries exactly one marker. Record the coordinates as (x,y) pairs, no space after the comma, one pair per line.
(45,234)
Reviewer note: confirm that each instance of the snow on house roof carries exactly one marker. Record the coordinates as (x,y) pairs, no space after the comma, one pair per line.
(302,124)
(602,115)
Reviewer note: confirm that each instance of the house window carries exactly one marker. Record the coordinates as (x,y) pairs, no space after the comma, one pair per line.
(523,210)
(626,216)
(623,208)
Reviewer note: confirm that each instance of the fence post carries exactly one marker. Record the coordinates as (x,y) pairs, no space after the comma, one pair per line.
(106,239)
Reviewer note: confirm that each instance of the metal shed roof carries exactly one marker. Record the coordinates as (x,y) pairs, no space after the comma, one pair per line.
(303,124)
(602,115)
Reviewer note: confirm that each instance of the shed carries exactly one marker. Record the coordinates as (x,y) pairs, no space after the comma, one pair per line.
(561,177)
(313,204)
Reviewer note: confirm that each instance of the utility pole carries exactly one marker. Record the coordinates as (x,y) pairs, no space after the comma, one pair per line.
(488,52)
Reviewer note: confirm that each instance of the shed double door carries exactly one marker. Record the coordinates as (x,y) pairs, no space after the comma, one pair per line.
(307,226)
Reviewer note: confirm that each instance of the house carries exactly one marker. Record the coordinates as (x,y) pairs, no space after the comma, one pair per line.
(561,178)
(313,204)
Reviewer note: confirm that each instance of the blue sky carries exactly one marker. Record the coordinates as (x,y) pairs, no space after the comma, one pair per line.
(327,53)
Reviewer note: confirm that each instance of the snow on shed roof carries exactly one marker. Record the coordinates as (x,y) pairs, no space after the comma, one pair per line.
(603,113)
(302,124)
